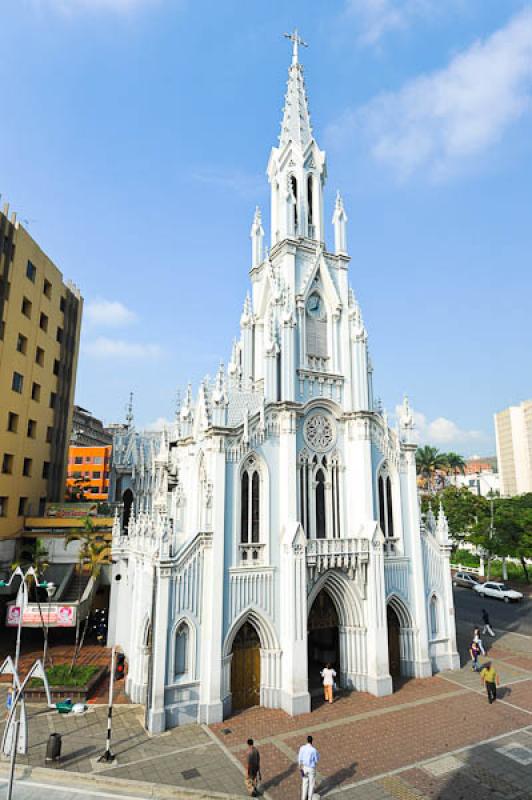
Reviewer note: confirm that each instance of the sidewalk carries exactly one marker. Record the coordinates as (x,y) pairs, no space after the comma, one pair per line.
(433,738)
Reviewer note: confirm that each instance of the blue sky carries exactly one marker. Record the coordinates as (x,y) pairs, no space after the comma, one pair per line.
(135,134)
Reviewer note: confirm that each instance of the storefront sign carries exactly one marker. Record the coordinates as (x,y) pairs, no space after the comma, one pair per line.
(71,510)
(53,614)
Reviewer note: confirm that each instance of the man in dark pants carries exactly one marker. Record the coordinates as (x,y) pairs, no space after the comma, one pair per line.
(253,775)
(489,677)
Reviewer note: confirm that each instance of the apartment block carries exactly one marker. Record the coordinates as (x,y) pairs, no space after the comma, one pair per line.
(40,317)
(88,470)
(513,431)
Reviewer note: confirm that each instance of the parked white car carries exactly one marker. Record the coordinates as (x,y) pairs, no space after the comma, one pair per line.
(498,590)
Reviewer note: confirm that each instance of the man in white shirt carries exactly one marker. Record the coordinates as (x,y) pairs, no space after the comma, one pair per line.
(328,674)
(308,759)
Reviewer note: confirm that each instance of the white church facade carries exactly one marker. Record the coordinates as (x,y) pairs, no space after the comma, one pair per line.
(276,526)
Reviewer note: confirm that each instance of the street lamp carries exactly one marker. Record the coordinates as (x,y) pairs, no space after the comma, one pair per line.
(22,599)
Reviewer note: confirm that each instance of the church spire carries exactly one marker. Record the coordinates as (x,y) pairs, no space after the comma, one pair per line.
(296,126)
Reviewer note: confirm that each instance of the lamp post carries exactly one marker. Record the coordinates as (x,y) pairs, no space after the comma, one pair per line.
(489,495)
(22,599)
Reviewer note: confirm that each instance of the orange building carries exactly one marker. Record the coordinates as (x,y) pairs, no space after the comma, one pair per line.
(88,471)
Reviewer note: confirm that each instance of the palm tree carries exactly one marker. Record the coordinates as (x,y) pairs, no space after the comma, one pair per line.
(37,557)
(456,464)
(93,553)
(428,461)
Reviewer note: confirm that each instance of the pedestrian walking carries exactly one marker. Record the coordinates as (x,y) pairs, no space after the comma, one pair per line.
(328,675)
(489,677)
(308,760)
(474,652)
(478,640)
(486,620)
(253,776)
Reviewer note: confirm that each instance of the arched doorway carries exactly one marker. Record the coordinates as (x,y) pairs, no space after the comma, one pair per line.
(323,638)
(394,647)
(245,668)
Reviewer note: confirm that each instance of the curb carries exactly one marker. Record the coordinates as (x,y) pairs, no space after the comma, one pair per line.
(97,782)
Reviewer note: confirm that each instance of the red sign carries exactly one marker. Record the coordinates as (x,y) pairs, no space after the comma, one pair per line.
(53,614)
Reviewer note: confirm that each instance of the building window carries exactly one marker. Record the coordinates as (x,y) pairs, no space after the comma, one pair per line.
(385,504)
(87,459)
(250,512)
(22,506)
(32,428)
(18,382)
(310,208)
(39,356)
(56,366)
(3,506)
(26,307)
(7,464)
(47,288)
(62,304)
(2,329)
(181,654)
(49,434)
(31,271)
(45,469)
(42,506)
(96,475)
(26,469)
(98,460)
(43,322)
(78,460)
(59,335)
(12,422)
(319,495)
(293,189)
(94,490)
(35,392)
(53,398)
(22,344)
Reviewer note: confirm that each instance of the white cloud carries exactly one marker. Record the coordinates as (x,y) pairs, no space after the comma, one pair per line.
(159,424)
(120,349)
(108,313)
(442,432)
(438,122)
(375,18)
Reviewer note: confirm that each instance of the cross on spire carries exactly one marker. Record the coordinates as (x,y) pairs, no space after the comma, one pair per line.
(296,40)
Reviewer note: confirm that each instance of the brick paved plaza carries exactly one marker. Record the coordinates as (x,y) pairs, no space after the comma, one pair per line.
(433,738)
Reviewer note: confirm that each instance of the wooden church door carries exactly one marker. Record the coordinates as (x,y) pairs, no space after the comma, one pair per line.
(245,668)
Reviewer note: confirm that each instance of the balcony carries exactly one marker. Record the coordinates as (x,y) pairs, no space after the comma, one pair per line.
(391,546)
(345,554)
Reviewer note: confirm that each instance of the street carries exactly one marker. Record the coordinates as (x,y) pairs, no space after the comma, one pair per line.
(34,790)
(514,617)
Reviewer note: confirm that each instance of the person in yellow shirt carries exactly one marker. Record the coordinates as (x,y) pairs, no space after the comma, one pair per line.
(490,679)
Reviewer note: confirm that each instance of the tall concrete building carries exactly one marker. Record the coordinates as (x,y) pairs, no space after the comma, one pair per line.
(513,431)
(40,320)
(87,430)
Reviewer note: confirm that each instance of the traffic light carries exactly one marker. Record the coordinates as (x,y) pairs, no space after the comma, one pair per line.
(120,667)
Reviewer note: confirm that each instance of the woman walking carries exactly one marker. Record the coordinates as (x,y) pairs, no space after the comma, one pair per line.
(328,675)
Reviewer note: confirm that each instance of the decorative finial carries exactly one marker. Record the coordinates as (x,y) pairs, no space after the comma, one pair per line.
(296,40)
(129,411)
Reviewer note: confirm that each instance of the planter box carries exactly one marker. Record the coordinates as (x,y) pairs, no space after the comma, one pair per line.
(76,693)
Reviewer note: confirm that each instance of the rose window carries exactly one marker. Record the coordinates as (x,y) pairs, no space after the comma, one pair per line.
(319,433)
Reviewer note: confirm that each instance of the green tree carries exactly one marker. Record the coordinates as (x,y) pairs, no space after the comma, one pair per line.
(93,553)
(428,461)
(455,464)
(463,509)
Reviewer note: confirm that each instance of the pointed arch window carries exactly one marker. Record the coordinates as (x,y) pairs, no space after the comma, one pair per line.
(310,208)
(434,626)
(251,545)
(319,495)
(316,327)
(181,651)
(385,503)
(293,190)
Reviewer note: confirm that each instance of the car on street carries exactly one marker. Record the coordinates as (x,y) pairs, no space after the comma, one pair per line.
(498,590)
(465,579)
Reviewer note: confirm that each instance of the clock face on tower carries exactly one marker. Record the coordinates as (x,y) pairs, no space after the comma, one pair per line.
(315,306)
